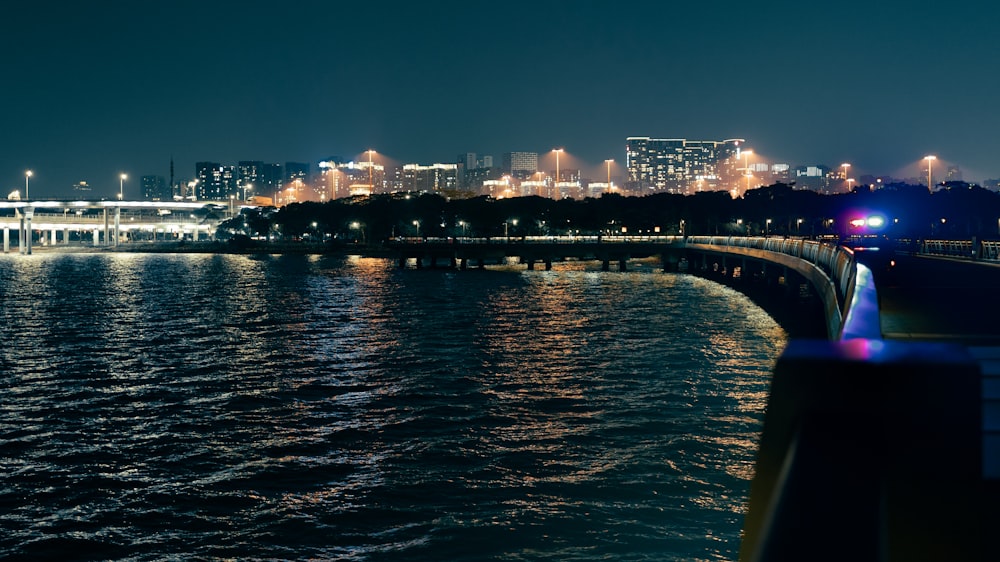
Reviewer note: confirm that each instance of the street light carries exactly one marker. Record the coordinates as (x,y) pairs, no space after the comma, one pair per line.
(746,166)
(558,151)
(930,160)
(609,161)
(767,228)
(121,187)
(506,233)
(371,172)
(27,175)
(357,226)
(849,182)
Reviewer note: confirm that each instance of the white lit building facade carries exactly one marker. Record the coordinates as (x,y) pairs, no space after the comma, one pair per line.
(434,178)
(681,166)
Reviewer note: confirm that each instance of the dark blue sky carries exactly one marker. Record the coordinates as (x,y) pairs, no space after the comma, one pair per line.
(94,89)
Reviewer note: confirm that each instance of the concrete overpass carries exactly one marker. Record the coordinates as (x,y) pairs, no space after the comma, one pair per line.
(105,223)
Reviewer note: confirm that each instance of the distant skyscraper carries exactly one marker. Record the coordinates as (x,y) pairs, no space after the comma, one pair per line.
(520,164)
(272,176)
(250,178)
(468,160)
(434,178)
(155,188)
(214,180)
(296,171)
(680,165)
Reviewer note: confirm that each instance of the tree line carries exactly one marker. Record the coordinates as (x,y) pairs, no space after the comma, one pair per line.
(957,211)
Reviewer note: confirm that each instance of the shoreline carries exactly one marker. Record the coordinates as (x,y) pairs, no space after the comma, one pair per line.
(211,248)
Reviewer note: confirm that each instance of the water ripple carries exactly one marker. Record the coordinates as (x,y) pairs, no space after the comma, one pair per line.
(291,407)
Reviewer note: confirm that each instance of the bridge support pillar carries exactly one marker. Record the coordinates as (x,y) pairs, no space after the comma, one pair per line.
(463,264)
(453,262)
(107,228)
(118,224)
(66,236)
(52,237)
(621,265)
(28,212)
(420,262)
(6,240)
(548,265)
(97,237)
(402,262)
(531,264)
(605,265)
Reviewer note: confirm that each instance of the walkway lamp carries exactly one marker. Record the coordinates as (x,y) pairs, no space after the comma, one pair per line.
(767,228)
(357,226)
(121,187)
(27,175)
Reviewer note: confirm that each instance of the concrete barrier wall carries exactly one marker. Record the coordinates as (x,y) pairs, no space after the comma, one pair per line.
(832,270)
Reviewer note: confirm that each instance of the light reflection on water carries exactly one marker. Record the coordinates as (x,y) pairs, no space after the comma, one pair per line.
(193,406)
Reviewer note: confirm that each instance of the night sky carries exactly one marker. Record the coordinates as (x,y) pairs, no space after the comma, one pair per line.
(94,89)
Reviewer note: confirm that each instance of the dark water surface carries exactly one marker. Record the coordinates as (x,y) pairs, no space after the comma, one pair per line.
(290,407)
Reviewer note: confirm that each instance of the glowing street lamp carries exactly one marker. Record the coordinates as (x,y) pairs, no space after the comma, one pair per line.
(506,233)
(609,161)
(357,226)
(846,166)
(746,166)
(767,228)
(371,172)
(558,151)
(930,161)
(27,175)
(849,182)
(121,187)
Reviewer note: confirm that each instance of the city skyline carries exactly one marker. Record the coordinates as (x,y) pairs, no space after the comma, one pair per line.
(764,172)
(96,91)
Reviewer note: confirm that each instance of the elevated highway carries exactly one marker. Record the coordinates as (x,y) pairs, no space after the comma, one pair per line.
(103,223)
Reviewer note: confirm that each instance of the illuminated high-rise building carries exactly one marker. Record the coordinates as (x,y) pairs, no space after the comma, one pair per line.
(155,188)
(681,165)
(209,180)
(520,165)
(434,178)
